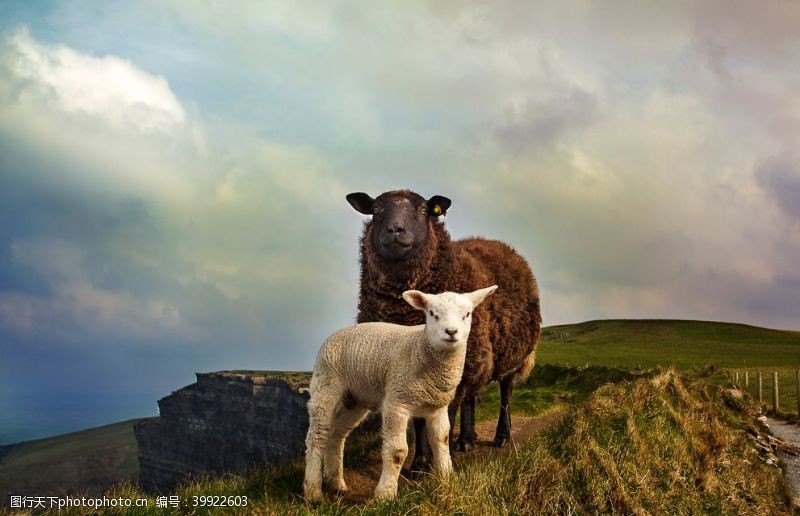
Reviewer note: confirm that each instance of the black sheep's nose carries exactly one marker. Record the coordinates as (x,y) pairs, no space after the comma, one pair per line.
(451,331)
(395,229)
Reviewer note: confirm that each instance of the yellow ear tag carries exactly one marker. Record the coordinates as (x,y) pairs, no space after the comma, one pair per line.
(437,210)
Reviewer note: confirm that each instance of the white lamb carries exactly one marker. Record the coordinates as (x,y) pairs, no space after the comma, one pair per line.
(402,371)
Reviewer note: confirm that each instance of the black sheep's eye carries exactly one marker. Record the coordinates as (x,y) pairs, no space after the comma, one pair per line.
(376,210)
(423,210)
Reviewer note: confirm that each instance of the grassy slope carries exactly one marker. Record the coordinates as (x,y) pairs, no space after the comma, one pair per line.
(685,344)
(663,443)
(94,458)
(625,343)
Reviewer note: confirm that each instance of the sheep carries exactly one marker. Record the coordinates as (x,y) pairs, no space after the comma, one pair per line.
(405,246)
(402,371)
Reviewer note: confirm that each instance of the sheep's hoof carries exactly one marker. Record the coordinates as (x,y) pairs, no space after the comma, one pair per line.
(501,441)
(465,445)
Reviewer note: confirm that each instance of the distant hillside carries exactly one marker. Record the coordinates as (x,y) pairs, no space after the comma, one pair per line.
(646,343)
(89,460)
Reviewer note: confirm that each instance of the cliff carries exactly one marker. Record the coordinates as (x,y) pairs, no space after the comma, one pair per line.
(228,421)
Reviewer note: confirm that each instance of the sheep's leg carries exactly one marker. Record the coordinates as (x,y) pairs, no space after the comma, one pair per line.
(452,410)
(466,436)
(422,450)
(344,421)
(503,435)
(320,411)
(393,451)
(439,439)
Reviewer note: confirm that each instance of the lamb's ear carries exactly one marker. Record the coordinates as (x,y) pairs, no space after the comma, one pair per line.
(478,296)
(416,299)
(438,205)
(362,202)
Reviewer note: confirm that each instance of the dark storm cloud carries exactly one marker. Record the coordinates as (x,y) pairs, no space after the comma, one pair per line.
(538,124)
(780,176)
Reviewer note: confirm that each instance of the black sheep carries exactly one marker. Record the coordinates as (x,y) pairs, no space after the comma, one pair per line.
(406,246)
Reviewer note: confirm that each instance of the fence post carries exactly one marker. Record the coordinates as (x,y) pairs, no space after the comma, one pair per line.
(760,388)
(746,380)
(775,406)
(736,382)
(797,376)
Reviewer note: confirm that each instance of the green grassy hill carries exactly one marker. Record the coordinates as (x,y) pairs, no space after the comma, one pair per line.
(93,459)
(685,344)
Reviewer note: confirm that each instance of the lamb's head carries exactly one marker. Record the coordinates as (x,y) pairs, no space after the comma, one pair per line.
(400,218)
(448,316)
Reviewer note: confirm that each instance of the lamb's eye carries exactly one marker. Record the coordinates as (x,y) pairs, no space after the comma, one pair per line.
(430,312)
(466,316)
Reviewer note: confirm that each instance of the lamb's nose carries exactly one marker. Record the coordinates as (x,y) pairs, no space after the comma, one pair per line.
(451,331)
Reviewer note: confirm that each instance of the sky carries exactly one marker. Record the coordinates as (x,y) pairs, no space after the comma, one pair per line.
(173,174)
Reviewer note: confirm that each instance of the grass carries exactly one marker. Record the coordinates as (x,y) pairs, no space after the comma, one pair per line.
(665,443)
(684,344)
(548,386)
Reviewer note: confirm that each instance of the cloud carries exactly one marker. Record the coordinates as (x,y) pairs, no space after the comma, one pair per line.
(780,176)
(134,230)
(612,159)
(106,88)
(74,307)
(176,174)
(531,124)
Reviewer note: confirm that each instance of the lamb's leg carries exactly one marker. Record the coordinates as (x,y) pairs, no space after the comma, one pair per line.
(344,422)
(466,435)
(393,451)
(320,418)
(439,439)
(422,450)
(503,435)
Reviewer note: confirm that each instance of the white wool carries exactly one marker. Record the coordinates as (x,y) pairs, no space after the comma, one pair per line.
(402,371)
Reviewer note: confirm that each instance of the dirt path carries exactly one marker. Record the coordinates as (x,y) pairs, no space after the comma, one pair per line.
(789,433)
(361,484)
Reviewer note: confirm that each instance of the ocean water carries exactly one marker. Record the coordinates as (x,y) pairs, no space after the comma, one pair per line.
(34,416)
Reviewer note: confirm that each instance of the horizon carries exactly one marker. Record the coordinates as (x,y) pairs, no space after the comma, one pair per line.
(307,370)
(174,180)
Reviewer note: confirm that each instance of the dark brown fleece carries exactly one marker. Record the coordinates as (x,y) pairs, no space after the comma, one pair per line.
(505,328)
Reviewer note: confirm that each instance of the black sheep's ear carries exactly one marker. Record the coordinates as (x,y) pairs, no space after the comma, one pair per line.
(438,205)
(362,202)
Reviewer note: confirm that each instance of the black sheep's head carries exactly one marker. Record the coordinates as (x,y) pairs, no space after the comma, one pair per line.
(400,219)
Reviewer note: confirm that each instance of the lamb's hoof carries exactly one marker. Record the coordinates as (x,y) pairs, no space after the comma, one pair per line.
(312,493)
(383,493)
(501,441)
(420,467)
